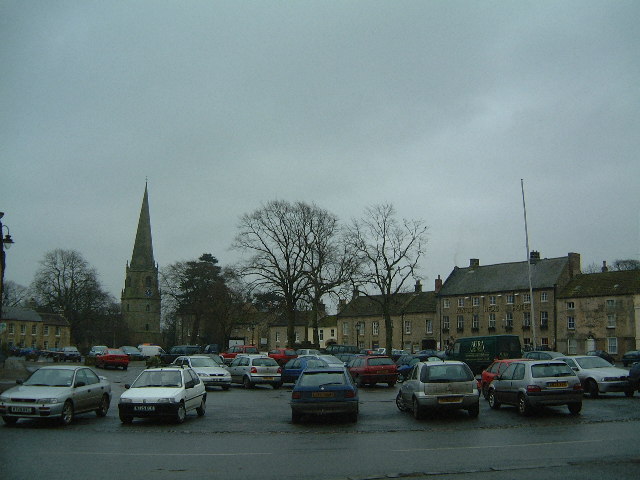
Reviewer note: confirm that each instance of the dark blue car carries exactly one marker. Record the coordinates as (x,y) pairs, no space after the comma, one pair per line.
(294,367)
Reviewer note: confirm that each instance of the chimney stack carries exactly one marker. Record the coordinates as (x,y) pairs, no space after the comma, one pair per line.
(418,287)
(534,256)
(438,286)
(604,266)
(474,262)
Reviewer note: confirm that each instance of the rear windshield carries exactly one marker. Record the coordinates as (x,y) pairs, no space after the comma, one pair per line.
(290,352)
(250,350)
(551,370)
(265,362)
(380,361)
(315,379)
(446,373)
(114,351)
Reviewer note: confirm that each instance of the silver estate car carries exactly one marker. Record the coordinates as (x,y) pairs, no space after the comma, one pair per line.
(532,384)
(432,386)
(58,392)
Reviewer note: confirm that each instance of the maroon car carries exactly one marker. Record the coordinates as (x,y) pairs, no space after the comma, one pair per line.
(372,369)
(112,357)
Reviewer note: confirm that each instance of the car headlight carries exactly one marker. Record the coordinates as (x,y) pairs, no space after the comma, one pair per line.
(4,398)
(126,400)
(48,400)
(200,374)
(166,400)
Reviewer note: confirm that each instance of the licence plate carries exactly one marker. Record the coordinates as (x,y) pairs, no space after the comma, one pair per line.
(322,394)
(450,400)
(21,410)
(144,408)
(557,384)
(382,372)
(268,378)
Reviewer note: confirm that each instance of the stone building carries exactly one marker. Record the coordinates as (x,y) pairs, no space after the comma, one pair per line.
(413,315)
(600,311)
(140,298)
(27,328)
(496,299)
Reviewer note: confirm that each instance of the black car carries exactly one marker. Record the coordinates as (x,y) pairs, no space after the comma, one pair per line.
(634,376)
(631,357)
(603,354)
(179,351)
(70,354)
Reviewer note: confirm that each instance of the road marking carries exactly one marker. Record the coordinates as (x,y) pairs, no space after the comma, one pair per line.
(510,445)
(173,454)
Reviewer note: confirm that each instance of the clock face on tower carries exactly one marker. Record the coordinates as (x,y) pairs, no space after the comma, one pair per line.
(147,292)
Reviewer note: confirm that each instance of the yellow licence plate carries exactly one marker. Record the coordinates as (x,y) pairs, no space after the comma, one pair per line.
(322,394)
(557,385)
(450,400)
(267,378)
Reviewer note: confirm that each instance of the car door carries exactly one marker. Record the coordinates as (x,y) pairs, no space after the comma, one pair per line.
(237,368)
(515,383)
(192,390)
(502,383)
(83,391)
(411,384)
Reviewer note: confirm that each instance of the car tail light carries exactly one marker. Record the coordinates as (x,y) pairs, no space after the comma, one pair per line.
(349,394)
(578,387)
(254,370)
(296,395)
(533,388)
(279,369)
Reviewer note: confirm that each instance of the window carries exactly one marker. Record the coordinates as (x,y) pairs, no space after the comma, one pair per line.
(475,322)
(571,323)
(345,328)
(407,327)
(509,320)
(321,334)
(492,300)
(526,298)
(611,320)
(612,345)
(511,299)
(146,327)
(446,303)
(277,336)
(45,345)
(333,333)
(476,301)
(526,319)
(544,297)
(445,322)
(461,302)
(572,346)
(611,303)
(375,328)
(429,325)
(46,330)
(460,322)
(297,337)
(492,320)
(527,342)
(11,328)
(34,329)
(544,319)
(360,328)
(544,342)
(571,306)
(23,329)
(57,344)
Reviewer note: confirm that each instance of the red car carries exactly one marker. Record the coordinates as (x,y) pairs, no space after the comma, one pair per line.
(112,357)
(283,355)
(230,354)
(492,371)
(372,369)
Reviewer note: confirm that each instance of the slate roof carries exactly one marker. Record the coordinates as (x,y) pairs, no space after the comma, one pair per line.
(411,302)
(602,284)
(504,277)
(29,315)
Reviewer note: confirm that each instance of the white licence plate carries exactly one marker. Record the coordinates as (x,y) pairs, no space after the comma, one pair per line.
(21,410)
(144,408)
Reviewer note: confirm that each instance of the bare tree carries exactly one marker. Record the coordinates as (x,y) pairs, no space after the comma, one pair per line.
(14,294)
(277,237)
(68,285)
(388,250)
(626,264)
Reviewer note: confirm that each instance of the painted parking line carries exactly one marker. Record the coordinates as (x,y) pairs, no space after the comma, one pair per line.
(510,445)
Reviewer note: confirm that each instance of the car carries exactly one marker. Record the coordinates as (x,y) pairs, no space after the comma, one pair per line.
(436,386)
(236,350)
(335,348)
(212,373)
(250,370)
(149,351)
(282,355)
(599,376)
(372,369)
(324,391)
(178,351)
(307,351)
(167,392)
(112,357)
(331,360)
(406,362)
(634,376)
(602,354)
(478,352)
(531,384)
(56,392)
(96,350)
(491,372)
(211,349)
(70,353)
(294,367)
(631,357)
(133,353)
(542,355)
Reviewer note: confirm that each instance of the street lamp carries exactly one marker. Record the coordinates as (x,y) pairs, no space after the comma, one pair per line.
(4,244)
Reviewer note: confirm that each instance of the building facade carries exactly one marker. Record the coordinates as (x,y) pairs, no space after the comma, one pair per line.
(26,328)
(140,298)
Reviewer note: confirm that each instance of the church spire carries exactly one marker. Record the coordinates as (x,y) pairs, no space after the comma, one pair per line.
(142,257)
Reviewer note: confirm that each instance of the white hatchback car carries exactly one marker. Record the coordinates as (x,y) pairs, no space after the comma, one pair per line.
(168,392)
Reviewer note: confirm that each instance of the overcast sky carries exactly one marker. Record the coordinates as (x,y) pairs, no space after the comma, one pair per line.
(438,107)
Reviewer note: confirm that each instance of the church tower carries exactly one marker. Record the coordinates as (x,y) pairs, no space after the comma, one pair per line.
(141,296)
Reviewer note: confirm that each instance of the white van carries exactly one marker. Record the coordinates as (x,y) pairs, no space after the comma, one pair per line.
(149,351)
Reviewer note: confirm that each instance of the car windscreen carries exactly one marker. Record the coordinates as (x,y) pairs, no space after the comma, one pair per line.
(446,373)
(290,352)
(203,362)
(374,362)
(264,362)
(592,362)
(158,378)
(551,370)
(315,379)
(53,377)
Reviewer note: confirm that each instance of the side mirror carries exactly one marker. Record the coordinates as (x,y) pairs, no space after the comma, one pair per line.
(79,384)
(498,377)
(574,368)
(127,386)
(190,384)
(19,382)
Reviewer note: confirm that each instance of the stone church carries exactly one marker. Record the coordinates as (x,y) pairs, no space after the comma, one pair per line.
(141,294)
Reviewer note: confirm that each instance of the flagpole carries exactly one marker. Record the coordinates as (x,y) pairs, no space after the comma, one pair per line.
(526,234)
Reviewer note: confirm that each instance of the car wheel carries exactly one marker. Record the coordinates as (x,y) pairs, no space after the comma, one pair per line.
(574,408)
(524,408)
(225,387)
(247,383)
(9,420)
(474,411)
(276,386)
(126,419)
(181,413)
(67,413)
(629,393)
(391,384)
(592,388)
(202,408)
(400,404)
(417,412)
(493,402)
(103,408)
(485,391)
